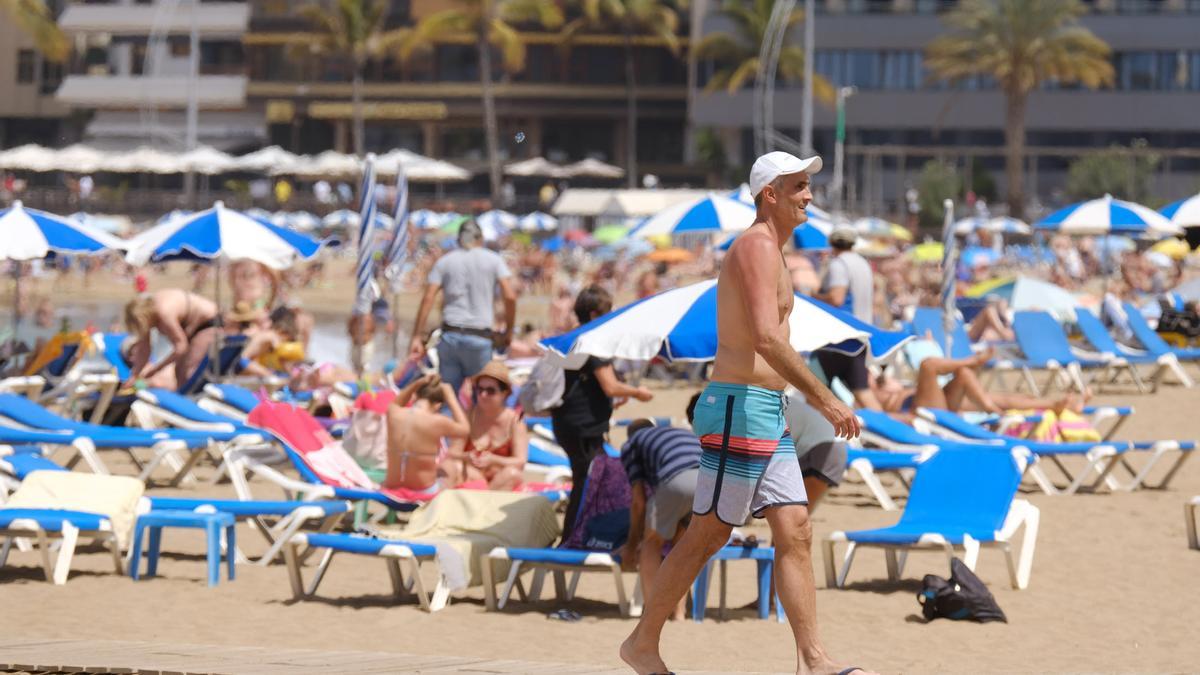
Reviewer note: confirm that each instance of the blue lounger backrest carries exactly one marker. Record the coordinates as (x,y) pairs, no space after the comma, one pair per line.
(58,367)
(112,353)
(972,489)
(960,426)
(184,407)
(1143,332)
(1041,338)
(929,319)
(28,413)
(239,397)
(1095,332)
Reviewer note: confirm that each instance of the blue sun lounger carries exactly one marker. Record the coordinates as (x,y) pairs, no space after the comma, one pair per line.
(1152,341)
(64,521)
(1098,337)
(868,464)
(960,499)
(229,400)
(164,443)
(559,561)
(277,521)
(929,320)
(958,428)
(393,552)
(1101,458)
(1045,346)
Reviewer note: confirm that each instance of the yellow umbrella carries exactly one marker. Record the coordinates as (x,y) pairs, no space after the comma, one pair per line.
(660,240)
(899,232)
(1176,249)
(930,251)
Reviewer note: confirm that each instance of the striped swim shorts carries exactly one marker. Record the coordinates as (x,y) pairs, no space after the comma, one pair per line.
(749,460)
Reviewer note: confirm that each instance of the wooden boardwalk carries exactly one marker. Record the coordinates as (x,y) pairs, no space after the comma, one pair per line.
(149,658)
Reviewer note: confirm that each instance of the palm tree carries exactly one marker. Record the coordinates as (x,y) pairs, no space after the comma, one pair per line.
(353,30)
(739,50)
(1021,44)
(659,18)
(35,18)
(492,23)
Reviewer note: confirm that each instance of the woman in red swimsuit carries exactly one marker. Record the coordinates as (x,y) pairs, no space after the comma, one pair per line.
(498,445)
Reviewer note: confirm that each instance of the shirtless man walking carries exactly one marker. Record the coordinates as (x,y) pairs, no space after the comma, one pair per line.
(748,465)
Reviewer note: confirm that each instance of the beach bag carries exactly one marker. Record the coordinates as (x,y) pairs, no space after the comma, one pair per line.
(962,597)
(543,391)
(602,523)
(366,439)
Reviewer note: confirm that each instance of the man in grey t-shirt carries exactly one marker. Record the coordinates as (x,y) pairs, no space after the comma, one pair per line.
(849,285)
(467,278)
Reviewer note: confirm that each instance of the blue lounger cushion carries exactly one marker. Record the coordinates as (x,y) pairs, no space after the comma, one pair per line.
(545,458)
(244,508)
(23,464)
(899,432)
(28,413)
(882,460)
(239,397)
(561,556)
(52,520)
(14,436)
(348,543)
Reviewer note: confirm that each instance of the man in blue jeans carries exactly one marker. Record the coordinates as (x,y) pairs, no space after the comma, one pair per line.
(467,278)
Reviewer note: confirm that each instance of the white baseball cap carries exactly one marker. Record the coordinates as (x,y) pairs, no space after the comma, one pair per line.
(774,164)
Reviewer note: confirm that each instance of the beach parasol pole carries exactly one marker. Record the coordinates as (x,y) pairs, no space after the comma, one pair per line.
(949,274)
(397,254)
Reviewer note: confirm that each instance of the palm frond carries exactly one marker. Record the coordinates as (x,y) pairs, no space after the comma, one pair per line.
(34,17)
(509,42)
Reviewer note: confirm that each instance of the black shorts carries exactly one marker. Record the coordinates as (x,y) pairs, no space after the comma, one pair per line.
(851,370)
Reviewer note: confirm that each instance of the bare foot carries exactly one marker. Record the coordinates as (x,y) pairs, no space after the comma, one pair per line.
(643,661)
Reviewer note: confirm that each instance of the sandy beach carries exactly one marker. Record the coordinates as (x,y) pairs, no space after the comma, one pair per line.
(1113,590)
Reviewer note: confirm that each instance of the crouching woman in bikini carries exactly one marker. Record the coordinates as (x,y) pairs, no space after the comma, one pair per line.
(187,320)
(415,434)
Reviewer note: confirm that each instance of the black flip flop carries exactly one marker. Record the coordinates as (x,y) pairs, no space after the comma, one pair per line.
(851,669)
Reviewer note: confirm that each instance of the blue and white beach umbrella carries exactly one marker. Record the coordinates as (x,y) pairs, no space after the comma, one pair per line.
(177,214)
(397,250)
(500,222)
(1000,225)
(538,222)
(681,325)
(424,219)
(365,290)
(949,289)
(714,213)
(222,233)
(29,234)
(812,235)
(1185,212)
(345,219)
(1107,215)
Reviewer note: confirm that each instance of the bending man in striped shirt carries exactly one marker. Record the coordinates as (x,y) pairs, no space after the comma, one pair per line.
(662,464)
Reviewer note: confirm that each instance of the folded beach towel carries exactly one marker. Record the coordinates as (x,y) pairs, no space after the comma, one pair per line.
(467,524)
(115,497)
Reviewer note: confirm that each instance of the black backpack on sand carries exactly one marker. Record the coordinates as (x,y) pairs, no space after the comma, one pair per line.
(961,598)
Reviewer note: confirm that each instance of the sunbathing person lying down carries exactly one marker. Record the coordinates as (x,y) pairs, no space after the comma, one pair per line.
(963,392)
(416,433)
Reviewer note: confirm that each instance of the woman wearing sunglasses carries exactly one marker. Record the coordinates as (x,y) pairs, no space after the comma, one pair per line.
(498,445)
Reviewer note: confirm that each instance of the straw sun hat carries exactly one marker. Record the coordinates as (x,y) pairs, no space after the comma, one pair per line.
(497,371)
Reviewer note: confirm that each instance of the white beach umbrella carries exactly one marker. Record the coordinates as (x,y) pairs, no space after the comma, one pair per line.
(1185,212)
(594,168)
(500,221)
(141,160)
(535,166)
(78,158)
(207,161)
(271,158)
(30,157)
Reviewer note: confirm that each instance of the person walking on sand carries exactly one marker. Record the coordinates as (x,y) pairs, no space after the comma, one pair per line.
(467,278)
(748,463)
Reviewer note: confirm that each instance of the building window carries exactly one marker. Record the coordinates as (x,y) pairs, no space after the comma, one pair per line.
(25,66)
(52,75)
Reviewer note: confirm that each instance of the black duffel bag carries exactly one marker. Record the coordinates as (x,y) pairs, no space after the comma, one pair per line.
(962,597)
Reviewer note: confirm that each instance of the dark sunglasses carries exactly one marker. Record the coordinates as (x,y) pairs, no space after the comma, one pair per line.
(488,390)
